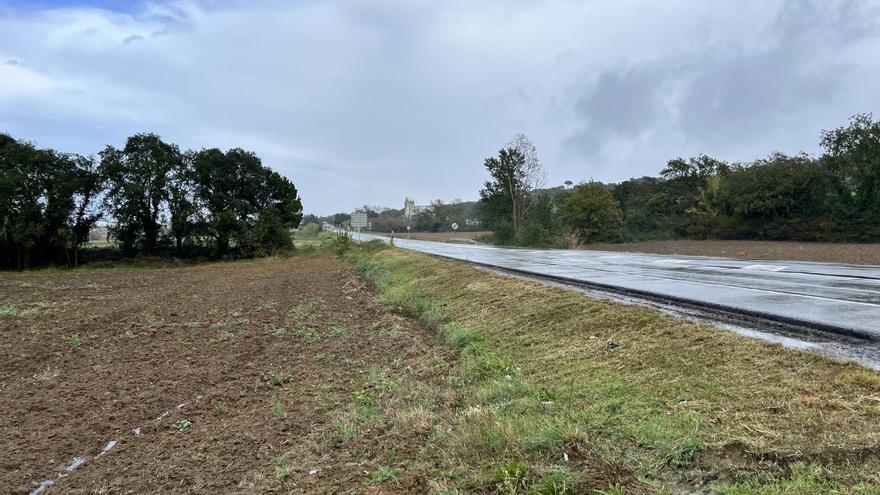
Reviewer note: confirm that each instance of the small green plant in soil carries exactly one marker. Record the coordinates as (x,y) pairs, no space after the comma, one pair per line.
(278,409)
(382,474)
(307,334)
(182,425)
(282,468)
(8,310)
(46,375)
(220,408)
(278,379)
(279,331)
(76,341)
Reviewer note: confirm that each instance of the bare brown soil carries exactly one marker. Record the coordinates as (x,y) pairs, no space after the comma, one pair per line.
(90,356)
(860,254)
(439,236)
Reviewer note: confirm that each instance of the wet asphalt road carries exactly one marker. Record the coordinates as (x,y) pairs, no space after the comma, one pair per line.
(837,298)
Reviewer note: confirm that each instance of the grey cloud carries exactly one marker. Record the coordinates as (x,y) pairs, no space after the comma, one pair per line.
(720,94)
(367,102)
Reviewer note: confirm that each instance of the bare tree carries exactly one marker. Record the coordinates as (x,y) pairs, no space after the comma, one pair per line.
(530,176)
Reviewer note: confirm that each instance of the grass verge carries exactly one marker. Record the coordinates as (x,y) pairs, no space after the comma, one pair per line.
(565,394)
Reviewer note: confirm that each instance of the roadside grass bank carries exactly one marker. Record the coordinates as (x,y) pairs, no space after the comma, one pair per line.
(560,393)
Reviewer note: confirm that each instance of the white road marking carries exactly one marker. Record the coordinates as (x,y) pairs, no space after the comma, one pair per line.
(765,268)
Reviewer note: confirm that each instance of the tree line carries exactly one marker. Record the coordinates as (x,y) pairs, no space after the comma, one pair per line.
(831,197)
(153,198)
(439,216)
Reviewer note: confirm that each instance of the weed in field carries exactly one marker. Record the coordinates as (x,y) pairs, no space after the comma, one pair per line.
(192,324)
(76,341)
(121,393)
(278,379)
(218,324)
(153,320)
(282,468)
(459,337)
(308,334)
(269,304)
(382,474)
(47,374)
(182,425)
(225,336)
(616,489)
(342,243)
(220,408)
(345,431)
(97,354)
(8,310)
(26,285)
(511,478)
(36,336)
(278,409)
(242,321)
(338,332)
(379,379)
(280,331)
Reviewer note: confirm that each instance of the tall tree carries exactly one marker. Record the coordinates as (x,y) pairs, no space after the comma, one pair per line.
(507,196)
(87,211)
(854,155)
(532,177)
(181,198)
(593,213)
(501,194)
(246,203)
(137,178)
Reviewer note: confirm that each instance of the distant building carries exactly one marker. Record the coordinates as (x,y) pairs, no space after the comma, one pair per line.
(411,209)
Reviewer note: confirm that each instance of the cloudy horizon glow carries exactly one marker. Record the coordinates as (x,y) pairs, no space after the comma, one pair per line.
(368,102)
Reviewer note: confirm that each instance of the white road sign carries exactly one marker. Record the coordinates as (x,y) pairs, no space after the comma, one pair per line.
(358,220)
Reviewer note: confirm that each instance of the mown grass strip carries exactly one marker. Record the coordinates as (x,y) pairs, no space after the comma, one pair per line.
(564,394)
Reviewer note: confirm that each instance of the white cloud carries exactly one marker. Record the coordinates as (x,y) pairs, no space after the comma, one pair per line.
(365,102)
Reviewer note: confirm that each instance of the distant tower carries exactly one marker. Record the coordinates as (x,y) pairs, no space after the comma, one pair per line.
(409,208)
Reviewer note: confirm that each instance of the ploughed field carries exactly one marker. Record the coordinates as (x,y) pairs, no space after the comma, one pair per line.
(270,376)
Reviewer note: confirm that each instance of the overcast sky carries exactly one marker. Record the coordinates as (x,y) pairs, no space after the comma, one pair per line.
(367,102)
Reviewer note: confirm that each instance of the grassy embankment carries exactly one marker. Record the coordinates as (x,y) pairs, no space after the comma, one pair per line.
(562,393)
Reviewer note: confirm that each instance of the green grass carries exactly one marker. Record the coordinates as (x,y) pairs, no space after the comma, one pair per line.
(277,379)
(381,474)
(7,310)
(307,334)
(278,409)
(283,468)
(182,425)
(673,405)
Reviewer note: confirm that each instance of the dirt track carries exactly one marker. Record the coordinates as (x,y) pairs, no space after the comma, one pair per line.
(859,254)
(88,356)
